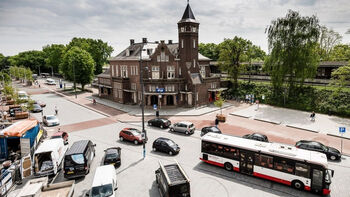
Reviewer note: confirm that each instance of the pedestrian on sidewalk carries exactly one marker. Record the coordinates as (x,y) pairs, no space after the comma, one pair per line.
(56,110)
(312,116)
(94,101)
(257,105)
(216,122)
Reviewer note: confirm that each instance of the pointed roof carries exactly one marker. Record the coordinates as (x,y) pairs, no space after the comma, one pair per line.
(188,15)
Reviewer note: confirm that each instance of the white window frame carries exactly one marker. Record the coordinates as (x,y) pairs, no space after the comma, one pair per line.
(171,72)
(194,63)
(202,71)
(116,70)
(133,86)
(179,70)
(182,29)
(124,71)
(112,67)
(155,72)
(182,43)
(194,43)
(194,29)
(120,93)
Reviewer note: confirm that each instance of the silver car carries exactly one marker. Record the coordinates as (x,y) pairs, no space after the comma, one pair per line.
(183,127)
(51,120)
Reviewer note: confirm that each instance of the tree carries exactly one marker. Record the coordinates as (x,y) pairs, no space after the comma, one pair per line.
(35,60)
(328,40)
(5,78)
(78,64)
(340,52)
(292,43)
(54,54)
(232,53)
(219,102)
(209,50)
(4,62)
(99,50)
(8,90)
(341,76)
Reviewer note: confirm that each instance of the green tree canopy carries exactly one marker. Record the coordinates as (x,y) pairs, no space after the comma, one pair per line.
(232,53)
(5,78)
(341,76)
(78,64)
(340,52)
(35,60)
(209,50)
(54,54)
(293,43)
(99,50)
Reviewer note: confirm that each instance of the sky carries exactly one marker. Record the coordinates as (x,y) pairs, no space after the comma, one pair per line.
(32,24)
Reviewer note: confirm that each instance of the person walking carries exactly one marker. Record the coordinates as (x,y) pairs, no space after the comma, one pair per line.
(56,110)
(216,122)
(312,116)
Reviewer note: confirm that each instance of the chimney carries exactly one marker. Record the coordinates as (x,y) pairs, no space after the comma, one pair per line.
(162,41)
(144,40)
(170,41)
(132,41)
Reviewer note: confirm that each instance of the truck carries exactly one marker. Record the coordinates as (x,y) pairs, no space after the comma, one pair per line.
(172,180)
(40,187)
(48,157)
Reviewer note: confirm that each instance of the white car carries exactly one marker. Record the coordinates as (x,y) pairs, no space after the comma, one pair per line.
(22,95)
(50,81)
(183,127)
(51,120)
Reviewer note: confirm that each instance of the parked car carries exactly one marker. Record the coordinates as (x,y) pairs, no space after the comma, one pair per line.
(212,129)
(104,183)
(41,103)
(51,120)
(37,108)
(131,134)
(165,145)
(44,75)
(14,110)
(50,81)
(78,159)
(61,134)
(22,95)
(331,153)
(112,156)
(159,122)
(183,127)
(257,137)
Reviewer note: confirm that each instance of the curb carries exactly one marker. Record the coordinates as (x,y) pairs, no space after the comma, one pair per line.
(242,116)
(347,138)
(302,128)
(271,122)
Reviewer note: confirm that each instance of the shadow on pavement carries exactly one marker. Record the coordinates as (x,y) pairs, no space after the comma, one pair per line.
(130,166)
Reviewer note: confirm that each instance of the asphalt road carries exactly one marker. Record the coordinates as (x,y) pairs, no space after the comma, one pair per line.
(136,175)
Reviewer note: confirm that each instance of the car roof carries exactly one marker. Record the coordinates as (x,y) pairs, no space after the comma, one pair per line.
(259,134)
(104,175)
(78,147)
(163,139)
(185,122)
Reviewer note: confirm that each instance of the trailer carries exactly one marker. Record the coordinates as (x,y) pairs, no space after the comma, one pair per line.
(19,139)
(41,188)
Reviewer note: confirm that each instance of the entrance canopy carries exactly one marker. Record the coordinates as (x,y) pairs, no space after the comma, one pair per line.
(19,128)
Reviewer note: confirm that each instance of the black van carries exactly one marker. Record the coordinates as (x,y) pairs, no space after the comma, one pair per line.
(172,181)
(78,159)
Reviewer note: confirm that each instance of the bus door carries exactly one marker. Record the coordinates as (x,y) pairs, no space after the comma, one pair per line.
(317,180)
(246,162)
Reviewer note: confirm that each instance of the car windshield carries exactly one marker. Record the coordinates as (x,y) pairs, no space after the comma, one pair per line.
(214,129)
(135,132)
(50,117)
(111,155)
(78,158)
(191,125)
(102,191)
(171,143)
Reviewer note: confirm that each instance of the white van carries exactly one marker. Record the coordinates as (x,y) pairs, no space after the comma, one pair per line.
(105,182)
(22,95)
(50,81)
(49,156)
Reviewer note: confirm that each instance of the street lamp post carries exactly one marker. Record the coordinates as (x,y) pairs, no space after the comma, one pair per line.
(142,107)
(51,71)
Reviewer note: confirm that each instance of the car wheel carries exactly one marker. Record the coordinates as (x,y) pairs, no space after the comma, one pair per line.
(333,158)
(136,142)
(171,130)
(298,185)
(170,153)
(186,133)
(154,149)
(121,138)
(161,126)
(228,166)
(150,124)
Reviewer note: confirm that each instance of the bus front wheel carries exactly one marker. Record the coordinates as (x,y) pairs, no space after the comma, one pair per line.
(298,185)
(228,166)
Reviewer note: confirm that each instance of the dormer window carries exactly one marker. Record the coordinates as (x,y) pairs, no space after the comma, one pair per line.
(182,29)
(127,53)
(194,29)
(149,51)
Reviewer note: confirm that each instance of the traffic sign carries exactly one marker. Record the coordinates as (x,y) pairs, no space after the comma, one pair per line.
(159,90)
(155,106)
(342,129)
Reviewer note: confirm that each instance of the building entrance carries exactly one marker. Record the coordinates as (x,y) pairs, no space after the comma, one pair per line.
(154,100)
(170,100)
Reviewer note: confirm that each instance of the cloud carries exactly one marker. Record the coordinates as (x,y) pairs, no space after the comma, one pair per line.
(31,24)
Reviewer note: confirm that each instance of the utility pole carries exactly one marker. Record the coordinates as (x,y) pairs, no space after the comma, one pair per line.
(142,106)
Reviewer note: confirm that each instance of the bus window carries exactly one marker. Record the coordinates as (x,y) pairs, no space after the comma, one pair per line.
(284,166)
(264,161)
(302,170)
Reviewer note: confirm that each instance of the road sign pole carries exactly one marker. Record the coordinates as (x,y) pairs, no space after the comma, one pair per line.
(341,144)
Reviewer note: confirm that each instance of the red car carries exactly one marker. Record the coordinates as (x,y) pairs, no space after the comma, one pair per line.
(131,134)
(61,134)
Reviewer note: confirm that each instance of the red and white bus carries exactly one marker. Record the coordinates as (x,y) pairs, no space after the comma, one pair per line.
(301,169)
